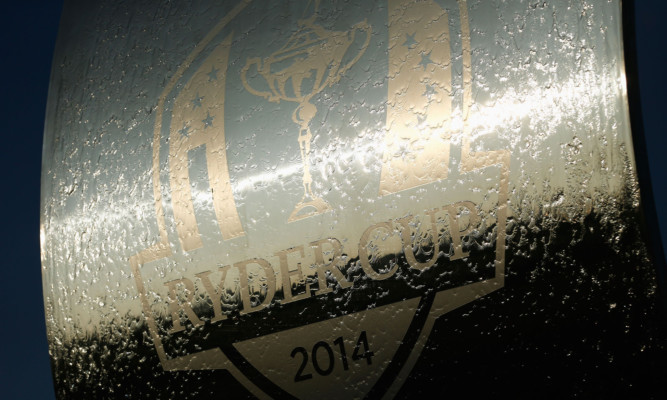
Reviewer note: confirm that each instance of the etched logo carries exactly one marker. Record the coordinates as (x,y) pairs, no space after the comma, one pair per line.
(311,60)
(297,290)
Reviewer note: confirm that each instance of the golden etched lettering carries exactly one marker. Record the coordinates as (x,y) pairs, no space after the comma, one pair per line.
(407,242)
(287,275)
(365,242)
(186,306)
(455,230)
(215,293)
(328,253)
(269,285)
(332,268)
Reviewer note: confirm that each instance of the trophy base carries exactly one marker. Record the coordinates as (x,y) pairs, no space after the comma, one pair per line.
(307,209)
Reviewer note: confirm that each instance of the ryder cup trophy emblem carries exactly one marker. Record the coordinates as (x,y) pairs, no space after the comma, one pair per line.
(311,60)
(259,288)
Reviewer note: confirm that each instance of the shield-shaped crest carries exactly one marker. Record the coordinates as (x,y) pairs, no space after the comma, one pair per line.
(315,262)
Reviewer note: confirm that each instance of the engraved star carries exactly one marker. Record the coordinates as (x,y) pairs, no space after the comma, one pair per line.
(185,130)
(430,91)
(410,41)
(196,102)
(208,121)
(213,75)
(426,60)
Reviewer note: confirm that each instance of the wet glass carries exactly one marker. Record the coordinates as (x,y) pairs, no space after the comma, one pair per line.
(344,200)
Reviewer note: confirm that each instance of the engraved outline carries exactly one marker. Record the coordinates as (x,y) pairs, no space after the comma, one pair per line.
(442,302)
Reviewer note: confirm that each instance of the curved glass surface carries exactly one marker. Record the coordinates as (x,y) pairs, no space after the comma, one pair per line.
(346,199)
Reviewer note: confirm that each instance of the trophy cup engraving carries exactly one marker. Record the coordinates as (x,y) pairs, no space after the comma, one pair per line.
(312,55)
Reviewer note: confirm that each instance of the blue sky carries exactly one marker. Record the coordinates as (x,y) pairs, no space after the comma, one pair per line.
(29,31)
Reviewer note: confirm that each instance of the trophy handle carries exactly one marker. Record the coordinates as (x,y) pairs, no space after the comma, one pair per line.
(364,27)
(258,62)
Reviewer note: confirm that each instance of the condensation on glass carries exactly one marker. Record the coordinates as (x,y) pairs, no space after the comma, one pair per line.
(337,199)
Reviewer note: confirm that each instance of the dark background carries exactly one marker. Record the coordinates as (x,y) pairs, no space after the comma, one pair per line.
(29,31)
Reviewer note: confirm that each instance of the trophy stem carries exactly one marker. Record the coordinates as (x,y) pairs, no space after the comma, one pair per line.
(302,116)
(304,144)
